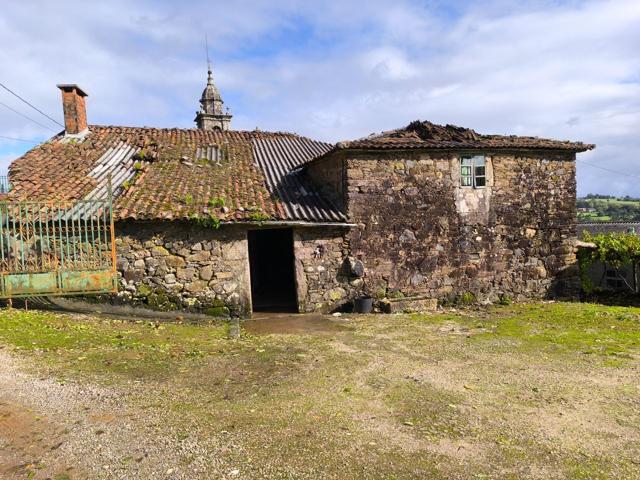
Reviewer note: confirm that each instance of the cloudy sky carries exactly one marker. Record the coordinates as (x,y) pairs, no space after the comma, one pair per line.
(339,69)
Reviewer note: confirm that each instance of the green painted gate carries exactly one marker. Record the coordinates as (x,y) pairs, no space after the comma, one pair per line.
(56,248)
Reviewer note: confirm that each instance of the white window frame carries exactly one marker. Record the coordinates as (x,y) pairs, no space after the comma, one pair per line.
(473,171)
(613,278)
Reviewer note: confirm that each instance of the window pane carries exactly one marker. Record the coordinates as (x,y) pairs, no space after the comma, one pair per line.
(478,160)
(480,171)
(465,170)
(465,180)
(480,181)
(467,161)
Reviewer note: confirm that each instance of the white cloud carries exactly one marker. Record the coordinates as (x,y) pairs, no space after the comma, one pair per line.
(389,64)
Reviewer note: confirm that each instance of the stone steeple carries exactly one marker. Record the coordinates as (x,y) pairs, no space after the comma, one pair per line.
(211,115)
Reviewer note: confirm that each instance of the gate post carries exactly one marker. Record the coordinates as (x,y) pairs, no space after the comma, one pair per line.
(113,235)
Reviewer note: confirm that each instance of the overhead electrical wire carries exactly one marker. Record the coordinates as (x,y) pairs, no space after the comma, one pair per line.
(35,108)
(609,169)
(13,139)
(28,118)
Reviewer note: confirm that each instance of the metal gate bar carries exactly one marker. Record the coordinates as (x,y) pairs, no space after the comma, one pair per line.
(56,248)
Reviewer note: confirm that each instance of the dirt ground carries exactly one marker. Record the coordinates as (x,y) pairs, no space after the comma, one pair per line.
(528,391)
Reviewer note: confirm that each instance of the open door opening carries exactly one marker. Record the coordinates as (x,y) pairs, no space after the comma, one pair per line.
(271,261)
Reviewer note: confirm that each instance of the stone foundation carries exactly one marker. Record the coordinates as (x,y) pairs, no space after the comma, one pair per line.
(179,266)
(174,265)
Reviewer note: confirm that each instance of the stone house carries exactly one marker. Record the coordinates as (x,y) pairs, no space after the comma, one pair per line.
(227,222)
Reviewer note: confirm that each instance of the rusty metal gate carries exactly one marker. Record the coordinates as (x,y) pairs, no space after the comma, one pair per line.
(56,248)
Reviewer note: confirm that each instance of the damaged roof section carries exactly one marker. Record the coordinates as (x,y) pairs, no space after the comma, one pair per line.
(233,176)
(429,135)
(116,165)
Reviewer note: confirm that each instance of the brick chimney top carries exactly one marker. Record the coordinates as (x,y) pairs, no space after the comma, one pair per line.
(74,108)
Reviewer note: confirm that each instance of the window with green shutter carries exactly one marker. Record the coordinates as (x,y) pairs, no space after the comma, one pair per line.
(473,171)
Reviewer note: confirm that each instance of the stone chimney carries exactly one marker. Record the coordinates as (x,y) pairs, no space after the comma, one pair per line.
(75,111)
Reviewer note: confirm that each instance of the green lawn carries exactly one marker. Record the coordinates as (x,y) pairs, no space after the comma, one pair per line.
(546,390)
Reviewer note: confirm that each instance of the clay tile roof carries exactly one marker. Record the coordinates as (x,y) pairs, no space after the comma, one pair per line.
(430,135)
(179,173)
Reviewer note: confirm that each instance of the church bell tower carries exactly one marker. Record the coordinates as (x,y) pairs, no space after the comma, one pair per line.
(211,115)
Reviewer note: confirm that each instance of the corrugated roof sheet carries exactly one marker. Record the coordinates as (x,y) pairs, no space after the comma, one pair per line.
(180,173)
(279,159)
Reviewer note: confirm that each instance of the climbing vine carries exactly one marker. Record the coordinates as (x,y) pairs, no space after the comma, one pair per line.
(612,249)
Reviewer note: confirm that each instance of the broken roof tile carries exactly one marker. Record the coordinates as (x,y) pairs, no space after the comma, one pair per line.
(427,135)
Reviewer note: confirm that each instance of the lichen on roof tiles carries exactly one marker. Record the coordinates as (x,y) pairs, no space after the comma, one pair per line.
(181,172)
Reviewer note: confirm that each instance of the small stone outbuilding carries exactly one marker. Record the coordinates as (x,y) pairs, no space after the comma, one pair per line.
(227,222)
(623,278)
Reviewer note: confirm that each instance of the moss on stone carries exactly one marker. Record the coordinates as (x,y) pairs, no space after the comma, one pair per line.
(467,298)
(159,300)
(396,294)
(144,290)
(217,311)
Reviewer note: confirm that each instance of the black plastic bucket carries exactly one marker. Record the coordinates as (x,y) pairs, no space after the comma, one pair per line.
(363,305)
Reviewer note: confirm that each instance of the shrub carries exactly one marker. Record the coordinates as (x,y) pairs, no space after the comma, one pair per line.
(613,249)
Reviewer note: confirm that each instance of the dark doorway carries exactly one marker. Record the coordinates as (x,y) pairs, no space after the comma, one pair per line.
(273,286)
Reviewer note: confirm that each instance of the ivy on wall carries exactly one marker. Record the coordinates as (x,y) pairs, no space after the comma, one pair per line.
(612,249)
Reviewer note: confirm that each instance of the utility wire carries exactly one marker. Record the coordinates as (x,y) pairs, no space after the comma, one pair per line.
(35,108)
(28,118)
(609,169)
(18,139)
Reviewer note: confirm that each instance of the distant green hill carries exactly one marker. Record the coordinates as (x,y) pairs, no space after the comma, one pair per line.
(603,208)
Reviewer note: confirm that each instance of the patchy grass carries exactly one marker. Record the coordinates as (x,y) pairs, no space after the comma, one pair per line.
(81,343)
(572,328)
(521,391)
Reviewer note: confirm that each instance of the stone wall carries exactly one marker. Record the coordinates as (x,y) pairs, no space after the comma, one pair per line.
(324,278)
(421,233)
(328,176)
(174,265)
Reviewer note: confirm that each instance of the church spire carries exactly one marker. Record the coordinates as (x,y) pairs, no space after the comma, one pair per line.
(211,115)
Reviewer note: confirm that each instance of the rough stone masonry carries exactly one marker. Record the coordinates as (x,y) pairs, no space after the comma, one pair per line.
(421,233)
(426,212)
(171,266)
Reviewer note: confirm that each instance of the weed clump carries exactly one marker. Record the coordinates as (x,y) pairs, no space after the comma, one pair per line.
(504,299)
(205,221)
(216,202)
(258,217)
